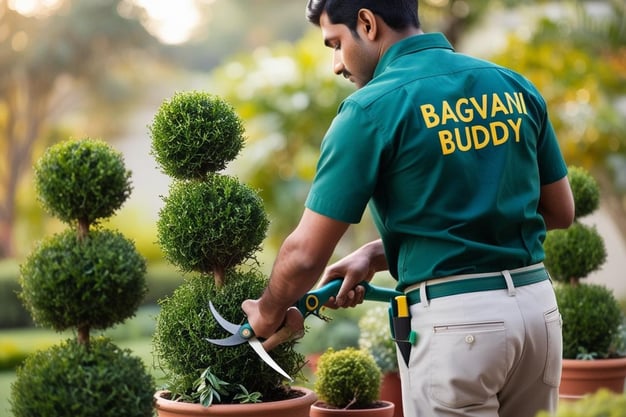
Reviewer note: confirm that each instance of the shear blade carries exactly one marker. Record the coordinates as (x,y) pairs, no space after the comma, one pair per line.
(232,340)
(236,339)
(226,325)
(258,348)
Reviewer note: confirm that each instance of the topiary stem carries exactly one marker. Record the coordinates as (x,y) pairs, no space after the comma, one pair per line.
(83,334)
(574,282)
(219,275)
(83,228)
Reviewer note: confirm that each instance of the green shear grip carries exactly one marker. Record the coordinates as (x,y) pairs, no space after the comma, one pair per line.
(374,293)
(312,301)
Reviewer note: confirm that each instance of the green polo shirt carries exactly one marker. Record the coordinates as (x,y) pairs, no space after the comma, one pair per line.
(449,151)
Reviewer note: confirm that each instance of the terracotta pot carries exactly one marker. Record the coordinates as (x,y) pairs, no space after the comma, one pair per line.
(293,407)
(311,361)
(318,409)
(391,390)
(580,377)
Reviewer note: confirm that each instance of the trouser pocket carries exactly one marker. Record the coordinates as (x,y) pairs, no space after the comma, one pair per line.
(552,368)
(468,364)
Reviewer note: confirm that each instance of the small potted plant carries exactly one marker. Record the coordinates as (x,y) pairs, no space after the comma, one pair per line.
(375,337)
(83,278)
(210,227)
(592,317)
(348,383)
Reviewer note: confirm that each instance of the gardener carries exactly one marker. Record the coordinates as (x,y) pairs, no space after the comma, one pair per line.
(463,174)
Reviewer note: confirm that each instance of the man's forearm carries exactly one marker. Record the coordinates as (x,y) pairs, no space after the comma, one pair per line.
(292,276)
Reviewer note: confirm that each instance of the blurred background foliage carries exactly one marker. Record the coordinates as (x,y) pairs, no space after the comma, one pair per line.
(101,68)
(73,68)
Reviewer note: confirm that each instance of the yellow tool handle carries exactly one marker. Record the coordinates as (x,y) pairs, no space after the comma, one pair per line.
(403,306)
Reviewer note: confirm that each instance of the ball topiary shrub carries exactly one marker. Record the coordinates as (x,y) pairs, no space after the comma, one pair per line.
(591,314)
(82,180)
(71,381)
(194,133)
(348,378)
(182,354)
(210,226)
(225,224)
(101,274)
(574,253)
(84,278)
(591,320)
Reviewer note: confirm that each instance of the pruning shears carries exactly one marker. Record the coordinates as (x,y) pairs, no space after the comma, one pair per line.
(310,304)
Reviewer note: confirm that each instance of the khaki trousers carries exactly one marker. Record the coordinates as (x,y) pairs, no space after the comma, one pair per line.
(484,354)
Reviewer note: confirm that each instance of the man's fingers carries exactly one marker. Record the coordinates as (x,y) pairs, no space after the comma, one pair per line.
(353,296)
(293,328)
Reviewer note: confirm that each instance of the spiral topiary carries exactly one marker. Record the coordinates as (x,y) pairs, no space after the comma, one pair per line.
(84,278)
(348,378)
(211,226)
(591,314)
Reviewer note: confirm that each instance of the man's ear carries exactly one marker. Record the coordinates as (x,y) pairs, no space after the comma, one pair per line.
(367,24)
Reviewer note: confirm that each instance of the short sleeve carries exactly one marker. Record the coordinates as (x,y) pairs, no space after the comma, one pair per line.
(348,167)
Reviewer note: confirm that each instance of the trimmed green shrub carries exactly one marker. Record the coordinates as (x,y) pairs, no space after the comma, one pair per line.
(211,225)
(82,180)
(195,133)
(82,278)
(586,191)
(71,381)
(96,281)
(574,252)
(591,314)
(348,378)
(185,321)
(590,319)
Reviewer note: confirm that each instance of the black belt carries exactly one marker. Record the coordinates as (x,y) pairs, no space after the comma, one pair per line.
(477,283)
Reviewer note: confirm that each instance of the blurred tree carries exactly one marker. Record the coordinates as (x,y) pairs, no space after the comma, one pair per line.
(45,59)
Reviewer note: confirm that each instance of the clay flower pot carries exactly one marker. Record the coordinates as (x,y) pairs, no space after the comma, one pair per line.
(320,409)
(391,390)
(581,377)
(293,407)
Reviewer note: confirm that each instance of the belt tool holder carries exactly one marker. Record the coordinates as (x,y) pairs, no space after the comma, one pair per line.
(400,324)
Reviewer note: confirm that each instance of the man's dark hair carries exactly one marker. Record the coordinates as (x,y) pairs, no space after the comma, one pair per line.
(397,14)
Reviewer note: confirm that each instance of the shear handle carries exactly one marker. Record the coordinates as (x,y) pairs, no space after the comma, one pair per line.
(312,301)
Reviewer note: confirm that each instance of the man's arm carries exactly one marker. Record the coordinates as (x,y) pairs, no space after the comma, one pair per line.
(556,204)
(299,264)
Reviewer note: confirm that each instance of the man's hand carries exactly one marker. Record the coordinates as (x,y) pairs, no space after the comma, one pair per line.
(277,330)
(359,266)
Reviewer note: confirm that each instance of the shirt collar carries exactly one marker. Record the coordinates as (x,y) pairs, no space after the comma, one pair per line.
(411,45)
